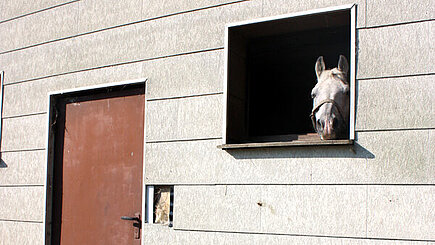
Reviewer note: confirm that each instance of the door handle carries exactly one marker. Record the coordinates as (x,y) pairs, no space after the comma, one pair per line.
(130,218)
(136,225)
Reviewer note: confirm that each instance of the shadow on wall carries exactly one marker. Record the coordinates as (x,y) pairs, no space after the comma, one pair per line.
(3,164)
(349,151)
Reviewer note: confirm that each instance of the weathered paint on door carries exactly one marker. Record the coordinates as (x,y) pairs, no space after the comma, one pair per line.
(98,170)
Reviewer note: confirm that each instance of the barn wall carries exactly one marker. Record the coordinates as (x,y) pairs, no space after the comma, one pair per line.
(381,193)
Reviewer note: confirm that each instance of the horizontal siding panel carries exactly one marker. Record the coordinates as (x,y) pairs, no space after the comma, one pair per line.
(96,15)
(396,103)
(22,203)
(186,118)
(23,168)
(396,50)
(374,161)
(276,7)
(315,210)
(24,133)
(15,8)
(401,212)
(110,47)
(157,8)
(167,162)
(41,27)
(40,61)
(13,233)
(222,208)
(399,157)
(185,75)
(32,97)
(384,12)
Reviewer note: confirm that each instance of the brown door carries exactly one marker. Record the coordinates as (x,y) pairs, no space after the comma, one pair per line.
(98,168)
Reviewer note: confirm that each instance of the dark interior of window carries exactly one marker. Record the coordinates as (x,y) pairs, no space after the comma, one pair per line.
(271,74)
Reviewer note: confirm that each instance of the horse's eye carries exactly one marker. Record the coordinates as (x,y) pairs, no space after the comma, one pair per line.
(313,95)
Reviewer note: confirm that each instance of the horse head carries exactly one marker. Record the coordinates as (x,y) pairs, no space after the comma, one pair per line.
(330,114)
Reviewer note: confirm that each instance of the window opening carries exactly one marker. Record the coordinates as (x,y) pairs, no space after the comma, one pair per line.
(270,73)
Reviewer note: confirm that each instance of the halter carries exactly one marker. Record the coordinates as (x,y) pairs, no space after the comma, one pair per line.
(315,109)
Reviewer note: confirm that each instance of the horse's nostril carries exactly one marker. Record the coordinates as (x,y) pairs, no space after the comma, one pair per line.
(320,125)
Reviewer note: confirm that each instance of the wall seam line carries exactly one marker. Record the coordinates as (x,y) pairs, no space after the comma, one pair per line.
(25,115)
(184,97)
(306,235)
(293,184)
(395,24)
(181,140)
(396,76)
(393,130)
(23,150)
(38,11)
(21,221)
(21,186)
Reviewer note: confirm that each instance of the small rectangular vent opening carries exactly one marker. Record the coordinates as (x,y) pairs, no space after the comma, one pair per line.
(160,202)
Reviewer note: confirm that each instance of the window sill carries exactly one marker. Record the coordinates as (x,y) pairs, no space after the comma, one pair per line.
(311,140)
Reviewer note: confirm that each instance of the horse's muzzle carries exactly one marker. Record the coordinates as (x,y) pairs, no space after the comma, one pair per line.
(330,128)
(327,129)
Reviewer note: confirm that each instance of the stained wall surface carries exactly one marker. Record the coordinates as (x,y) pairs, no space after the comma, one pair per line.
(382,192)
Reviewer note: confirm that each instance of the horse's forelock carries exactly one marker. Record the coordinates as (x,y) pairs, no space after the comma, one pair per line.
(334,74)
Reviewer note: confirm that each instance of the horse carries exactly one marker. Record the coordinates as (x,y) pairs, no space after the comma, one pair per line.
(330,114)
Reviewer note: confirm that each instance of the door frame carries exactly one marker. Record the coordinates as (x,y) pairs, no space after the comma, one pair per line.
(53,98)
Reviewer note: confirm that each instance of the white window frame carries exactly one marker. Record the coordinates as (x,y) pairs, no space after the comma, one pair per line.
(149,214)
(2,75)
(352,9)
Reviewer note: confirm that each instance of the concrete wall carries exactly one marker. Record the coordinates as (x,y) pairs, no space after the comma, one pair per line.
(383,193)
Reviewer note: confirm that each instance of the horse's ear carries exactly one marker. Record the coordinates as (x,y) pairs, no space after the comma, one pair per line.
(320,66)
(343,66)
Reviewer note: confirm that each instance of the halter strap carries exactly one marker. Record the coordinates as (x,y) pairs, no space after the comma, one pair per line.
(315,109)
